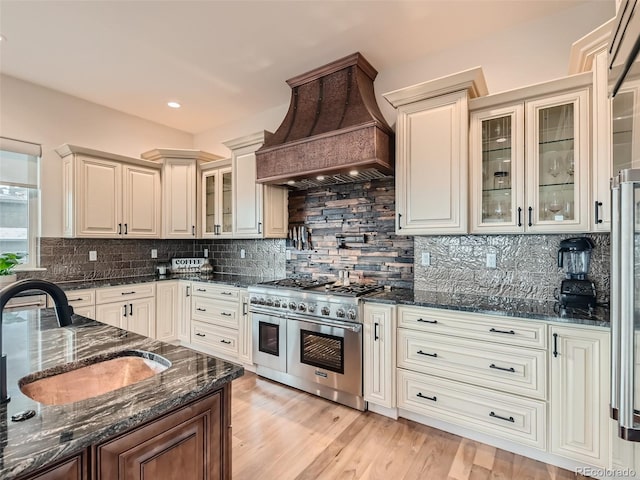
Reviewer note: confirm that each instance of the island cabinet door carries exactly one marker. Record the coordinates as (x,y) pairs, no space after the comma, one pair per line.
(74,468)
(190,443)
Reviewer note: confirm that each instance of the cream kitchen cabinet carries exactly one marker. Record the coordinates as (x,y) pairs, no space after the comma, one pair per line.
(579,402)
(431,153)
(130,307)
(109,196)
(83,302)
(379,353)
(245,337)
(167,310)
(216,199)
(184,311)
(179,189)
(530,159)
(259,211)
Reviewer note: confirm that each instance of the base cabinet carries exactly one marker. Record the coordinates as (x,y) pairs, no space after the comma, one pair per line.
(379,348)
(167,310)
(579,403)
(74,468)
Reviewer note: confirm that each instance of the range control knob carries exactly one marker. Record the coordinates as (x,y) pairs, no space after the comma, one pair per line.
(269,302)
(261,301)
(276,303)
(325,311)
(292,305)
(302,307)
(340,313)
(253,300)
(311,308)
(352,314)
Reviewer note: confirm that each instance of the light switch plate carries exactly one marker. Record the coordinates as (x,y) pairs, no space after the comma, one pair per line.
(154,253)
(426,259)
(491,260)
(93,256)
(206,253)
(243,254)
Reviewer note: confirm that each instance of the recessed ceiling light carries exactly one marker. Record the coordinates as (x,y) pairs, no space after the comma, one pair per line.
(174,104)
(353,173)
(320,177)
(291,182)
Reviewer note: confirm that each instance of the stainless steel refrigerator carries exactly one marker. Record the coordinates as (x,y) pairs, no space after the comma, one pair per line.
(625,303)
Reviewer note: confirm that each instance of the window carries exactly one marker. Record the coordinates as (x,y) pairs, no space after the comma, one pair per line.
(19,199)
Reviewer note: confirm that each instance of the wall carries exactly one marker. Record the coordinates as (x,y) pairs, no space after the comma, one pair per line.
(41,115)
(365,214)
(67,259)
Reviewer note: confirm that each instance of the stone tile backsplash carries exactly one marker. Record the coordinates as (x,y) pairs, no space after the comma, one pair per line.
(526,265)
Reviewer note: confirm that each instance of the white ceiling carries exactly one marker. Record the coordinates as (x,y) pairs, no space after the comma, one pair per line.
(226,60)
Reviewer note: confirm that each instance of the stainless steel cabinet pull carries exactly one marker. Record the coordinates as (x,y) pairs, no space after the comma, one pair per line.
(126,229)
(597,211)
(201,309)
(226,314)
(200,335)
(510,369)
(555,344)
(530,216)
(128,293)
(131,309)
(510,332)
(519,216)
(510,419)
(226,342)
(420,352)
(375,331)
(427,321)
(433,399)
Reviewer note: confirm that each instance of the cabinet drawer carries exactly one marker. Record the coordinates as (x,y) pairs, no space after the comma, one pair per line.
(125,292)
(221,292)
(215,312)
(88,311)
(526,333)
(81,298)
(221,339)
(495,413)
(507,369)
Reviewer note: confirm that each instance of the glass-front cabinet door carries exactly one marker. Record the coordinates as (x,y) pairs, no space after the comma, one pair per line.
(557,163)
(497,159)
(217,212)
(625,128)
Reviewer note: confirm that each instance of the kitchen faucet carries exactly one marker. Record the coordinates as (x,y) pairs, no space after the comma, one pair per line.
(63,313)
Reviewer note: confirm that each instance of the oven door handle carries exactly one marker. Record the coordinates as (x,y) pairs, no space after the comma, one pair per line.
(353,327)
(268,313)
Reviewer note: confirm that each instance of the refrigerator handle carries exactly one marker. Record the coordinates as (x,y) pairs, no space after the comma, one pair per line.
(614,400)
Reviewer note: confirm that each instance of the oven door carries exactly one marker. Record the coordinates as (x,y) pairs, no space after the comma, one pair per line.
(326,353)
(270,341)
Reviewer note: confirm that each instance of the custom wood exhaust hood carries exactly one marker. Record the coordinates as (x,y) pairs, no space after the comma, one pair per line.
(333,132)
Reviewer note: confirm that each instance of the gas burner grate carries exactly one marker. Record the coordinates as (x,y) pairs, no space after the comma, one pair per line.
(294,283)
(353,290)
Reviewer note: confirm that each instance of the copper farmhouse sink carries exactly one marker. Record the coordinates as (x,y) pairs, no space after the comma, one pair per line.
(92,377)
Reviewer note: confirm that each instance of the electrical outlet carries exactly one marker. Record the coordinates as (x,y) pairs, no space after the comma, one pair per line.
(243,254)
(287,254)
(426,259)
(491,260)
(154,253)
(93,256)
(206,253)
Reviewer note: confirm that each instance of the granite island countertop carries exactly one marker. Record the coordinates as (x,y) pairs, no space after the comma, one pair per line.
(492,305)
(33,342)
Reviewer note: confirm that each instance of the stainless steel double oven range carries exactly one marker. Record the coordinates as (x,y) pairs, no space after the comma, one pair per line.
(308,334)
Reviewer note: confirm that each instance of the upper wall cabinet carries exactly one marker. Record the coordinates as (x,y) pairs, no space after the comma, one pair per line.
(179,189)
(260,211)
(216,199)
(431,153)
(109,196)
(530,159)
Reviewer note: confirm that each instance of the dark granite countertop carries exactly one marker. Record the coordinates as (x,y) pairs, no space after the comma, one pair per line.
(510,307)
(242,281)
(33,342)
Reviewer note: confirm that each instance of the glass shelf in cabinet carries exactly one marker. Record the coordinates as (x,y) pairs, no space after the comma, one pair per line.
(557,184)
(552,142)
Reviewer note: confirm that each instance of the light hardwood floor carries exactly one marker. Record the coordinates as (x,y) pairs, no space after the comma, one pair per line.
(280,433)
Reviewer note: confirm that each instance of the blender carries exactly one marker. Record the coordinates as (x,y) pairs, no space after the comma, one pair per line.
(576,290)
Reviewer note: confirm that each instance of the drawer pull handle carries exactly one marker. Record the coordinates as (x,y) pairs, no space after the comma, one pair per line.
(226,342)
(226,293)
(128,293)
(510,369)
(201,290)
(510,419)
(75,299)
(433,399)
(427,321)
(200,335)
(225,314)
(201,309)
(420,352)
(508,332)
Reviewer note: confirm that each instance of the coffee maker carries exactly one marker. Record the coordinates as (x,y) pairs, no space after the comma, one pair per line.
(576,290)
